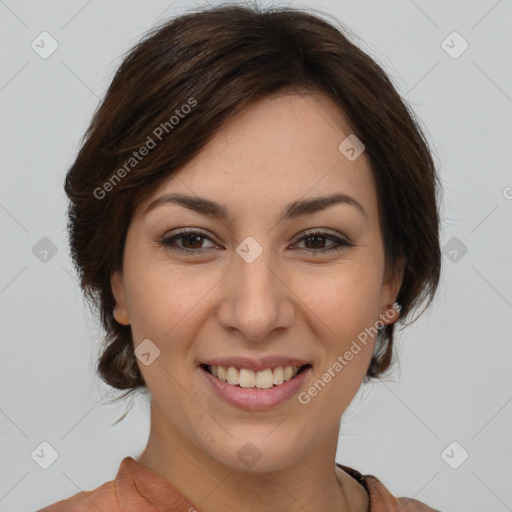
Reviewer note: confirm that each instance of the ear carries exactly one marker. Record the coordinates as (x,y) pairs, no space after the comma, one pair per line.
(391,283)
(119,292)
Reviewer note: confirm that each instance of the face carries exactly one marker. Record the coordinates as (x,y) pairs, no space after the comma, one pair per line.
(272,285)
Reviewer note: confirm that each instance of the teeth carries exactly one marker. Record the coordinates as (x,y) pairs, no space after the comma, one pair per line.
(221,372)
(278,375)
(246,378)
(263,379)
(232,376)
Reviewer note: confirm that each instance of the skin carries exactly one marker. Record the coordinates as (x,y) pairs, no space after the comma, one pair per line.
(294,299)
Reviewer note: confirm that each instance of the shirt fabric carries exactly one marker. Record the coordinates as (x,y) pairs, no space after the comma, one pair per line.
(136,488)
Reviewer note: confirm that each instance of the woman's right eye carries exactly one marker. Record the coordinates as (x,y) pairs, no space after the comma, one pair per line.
(190,238)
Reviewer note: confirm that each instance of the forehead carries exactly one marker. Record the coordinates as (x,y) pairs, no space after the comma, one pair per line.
(282,148)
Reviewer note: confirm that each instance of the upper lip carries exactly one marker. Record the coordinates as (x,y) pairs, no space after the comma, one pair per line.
(255,364)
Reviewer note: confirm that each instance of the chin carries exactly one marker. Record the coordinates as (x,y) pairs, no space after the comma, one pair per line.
(256,451)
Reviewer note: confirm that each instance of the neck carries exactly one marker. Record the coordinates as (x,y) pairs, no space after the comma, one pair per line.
(312,483)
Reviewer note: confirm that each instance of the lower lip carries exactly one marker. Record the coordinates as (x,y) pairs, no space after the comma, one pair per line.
(254,399)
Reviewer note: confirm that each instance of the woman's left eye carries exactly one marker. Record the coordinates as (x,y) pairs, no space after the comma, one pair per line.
(339,243)
(193,239)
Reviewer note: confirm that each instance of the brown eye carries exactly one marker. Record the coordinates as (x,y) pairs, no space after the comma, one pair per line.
(192,239)
(315,242)
(191,242)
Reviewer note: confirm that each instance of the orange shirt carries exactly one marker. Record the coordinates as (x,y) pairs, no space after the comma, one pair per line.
(138,489)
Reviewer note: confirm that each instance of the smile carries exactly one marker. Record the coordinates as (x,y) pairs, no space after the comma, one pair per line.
(263,379)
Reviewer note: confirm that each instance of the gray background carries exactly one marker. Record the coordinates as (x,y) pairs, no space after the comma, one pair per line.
(453,382)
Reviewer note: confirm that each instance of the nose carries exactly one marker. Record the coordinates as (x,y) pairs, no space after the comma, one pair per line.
(256,301)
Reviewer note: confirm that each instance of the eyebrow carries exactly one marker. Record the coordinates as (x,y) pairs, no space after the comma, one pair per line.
(292,210)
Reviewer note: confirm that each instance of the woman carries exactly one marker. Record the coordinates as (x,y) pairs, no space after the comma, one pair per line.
(252,209)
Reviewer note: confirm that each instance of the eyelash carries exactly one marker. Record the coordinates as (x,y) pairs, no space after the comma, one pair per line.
(170,240)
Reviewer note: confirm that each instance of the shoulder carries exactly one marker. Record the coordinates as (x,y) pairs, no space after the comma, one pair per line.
(411,505)
(381,499)
(102,498)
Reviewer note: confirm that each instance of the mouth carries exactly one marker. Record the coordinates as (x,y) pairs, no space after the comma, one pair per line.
(247,378)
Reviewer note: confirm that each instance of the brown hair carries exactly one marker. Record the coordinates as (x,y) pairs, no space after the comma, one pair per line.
(187,77)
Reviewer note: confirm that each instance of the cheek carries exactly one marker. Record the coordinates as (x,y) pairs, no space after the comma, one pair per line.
(347,299)
(348,307)
(164,301)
